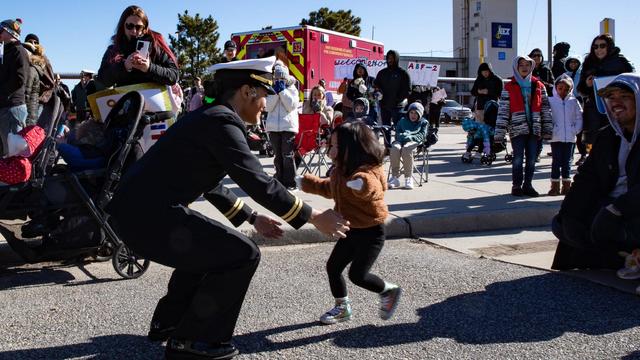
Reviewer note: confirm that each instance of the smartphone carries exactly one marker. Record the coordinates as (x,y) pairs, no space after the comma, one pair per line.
(143,48)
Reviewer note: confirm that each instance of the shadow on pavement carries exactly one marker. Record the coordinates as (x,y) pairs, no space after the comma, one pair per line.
(121,346)
(526,310)
(451,206)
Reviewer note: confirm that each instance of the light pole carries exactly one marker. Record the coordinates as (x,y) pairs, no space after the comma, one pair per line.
(549,30)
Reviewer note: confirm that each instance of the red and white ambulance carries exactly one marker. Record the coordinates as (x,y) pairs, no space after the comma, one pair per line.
(311,51)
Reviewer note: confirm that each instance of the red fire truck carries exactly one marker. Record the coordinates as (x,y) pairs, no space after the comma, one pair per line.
(311,51)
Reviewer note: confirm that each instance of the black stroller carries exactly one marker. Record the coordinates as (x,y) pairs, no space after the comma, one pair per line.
(480,136)
(69,207)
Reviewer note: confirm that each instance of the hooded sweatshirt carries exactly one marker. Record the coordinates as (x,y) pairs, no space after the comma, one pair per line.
(493,84)
(574,74)
(633,82)
(566,114)
(523,106)
(542,72)
(394,83)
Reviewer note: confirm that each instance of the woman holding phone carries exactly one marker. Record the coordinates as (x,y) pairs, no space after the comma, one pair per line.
(137,54)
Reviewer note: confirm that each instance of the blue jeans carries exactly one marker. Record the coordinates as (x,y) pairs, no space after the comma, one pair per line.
(524,146)
(76,161)
(561,153)
(12,120)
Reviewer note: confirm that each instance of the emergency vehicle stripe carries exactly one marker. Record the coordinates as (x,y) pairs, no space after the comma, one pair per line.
(295,210)
(235,209)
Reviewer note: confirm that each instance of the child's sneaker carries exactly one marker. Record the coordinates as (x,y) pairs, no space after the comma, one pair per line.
(631,269)
(340,312)
(408,183)
(394,182)
(389,302)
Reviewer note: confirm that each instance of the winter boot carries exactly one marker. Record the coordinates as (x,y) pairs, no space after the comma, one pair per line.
(566,185)
(555,187)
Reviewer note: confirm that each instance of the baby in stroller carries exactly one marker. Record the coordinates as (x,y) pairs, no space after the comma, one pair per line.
(480,136)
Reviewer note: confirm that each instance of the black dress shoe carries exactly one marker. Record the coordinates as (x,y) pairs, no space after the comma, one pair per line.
(530,191)
(517,191)
(159,332)
(186,349)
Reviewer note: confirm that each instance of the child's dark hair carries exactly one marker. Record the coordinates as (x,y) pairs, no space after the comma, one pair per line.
(357,146)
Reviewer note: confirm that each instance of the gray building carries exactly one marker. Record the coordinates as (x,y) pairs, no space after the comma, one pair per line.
(493,23)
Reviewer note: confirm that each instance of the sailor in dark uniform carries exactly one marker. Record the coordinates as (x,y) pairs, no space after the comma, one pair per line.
(213,263)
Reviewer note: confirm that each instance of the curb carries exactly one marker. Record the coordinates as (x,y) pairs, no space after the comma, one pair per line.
(425,225)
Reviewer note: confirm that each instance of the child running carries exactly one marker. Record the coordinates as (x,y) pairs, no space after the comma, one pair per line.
(357,186)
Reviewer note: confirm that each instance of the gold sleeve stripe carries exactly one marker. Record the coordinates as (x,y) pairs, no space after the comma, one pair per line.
(237,205)
(295,210)
(237,210)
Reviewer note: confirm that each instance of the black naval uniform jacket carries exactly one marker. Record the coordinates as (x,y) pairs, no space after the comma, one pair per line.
(191,159)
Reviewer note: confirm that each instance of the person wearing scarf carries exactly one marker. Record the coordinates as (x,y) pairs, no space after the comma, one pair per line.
(524,110)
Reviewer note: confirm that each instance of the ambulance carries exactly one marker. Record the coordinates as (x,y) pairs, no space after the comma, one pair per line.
(312,52)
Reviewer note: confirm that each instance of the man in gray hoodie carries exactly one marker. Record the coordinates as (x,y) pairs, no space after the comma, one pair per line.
(600,215)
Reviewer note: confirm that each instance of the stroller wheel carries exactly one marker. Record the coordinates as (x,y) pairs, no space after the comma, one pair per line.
(493,157)
(485,159)
(508,158)
(127,264)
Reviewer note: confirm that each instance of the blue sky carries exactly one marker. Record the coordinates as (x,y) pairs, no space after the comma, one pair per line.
(76,33)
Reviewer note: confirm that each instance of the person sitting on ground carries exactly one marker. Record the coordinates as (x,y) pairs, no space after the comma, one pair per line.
(600,215)
(410,133)
(317,104)
(567,122)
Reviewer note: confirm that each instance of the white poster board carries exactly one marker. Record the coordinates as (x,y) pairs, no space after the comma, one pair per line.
(343,68)
(423,74)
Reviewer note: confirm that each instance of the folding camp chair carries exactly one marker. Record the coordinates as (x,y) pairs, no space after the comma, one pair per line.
(420,172)
(310,146)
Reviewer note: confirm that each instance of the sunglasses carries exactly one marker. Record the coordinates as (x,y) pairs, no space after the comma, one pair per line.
(536,55)
(130,26)
(601,46)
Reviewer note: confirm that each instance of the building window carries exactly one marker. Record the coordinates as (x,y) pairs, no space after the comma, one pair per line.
(478,5)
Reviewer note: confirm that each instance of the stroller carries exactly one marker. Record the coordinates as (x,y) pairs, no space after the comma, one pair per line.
(66,209)
(480,137)
(258,139)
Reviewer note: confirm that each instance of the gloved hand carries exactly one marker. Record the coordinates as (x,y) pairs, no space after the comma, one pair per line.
(607,228)
(355,184)
(279,86)
(362,88)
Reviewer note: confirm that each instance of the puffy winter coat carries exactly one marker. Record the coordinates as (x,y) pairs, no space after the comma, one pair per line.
(567,117)
(512,115)
(282,109)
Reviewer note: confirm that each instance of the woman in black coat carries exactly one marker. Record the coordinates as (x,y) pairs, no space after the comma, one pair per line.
(487,86)
(123,65)
(604,59)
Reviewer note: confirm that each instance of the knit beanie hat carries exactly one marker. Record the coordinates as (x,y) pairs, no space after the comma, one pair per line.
(417,107)
(32,37)
(12,27)
(280,70)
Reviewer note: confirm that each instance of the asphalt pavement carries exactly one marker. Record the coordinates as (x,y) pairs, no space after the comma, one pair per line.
(455,306)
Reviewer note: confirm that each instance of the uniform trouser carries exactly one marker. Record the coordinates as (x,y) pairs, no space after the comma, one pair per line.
(523,146)
(283,143)
(405,152)
(213,268)
(361,248)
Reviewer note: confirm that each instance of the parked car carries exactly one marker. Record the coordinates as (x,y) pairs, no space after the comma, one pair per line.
(453,111)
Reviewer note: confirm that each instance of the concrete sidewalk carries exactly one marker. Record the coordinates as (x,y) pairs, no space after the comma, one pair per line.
(457,198)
